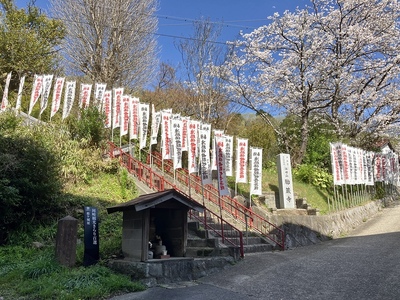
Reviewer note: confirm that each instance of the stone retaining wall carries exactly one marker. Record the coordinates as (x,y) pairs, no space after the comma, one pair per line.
(303,230)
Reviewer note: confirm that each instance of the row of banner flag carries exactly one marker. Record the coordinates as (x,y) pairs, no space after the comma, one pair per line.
(132,117)
(356,166)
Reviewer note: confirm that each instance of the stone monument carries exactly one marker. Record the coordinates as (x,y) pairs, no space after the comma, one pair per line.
(286,195)
(66,239)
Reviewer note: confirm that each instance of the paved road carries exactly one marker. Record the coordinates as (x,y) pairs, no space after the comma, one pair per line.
(363,265)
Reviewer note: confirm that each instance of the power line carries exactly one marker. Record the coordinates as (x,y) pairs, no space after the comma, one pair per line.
(220,23)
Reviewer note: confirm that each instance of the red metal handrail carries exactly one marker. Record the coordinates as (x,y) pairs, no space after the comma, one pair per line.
(229,233)
(145,174)
(228,204)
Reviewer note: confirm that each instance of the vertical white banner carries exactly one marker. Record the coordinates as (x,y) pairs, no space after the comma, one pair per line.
(360,165)
(256,172)
(68,98)
(99,90)
(166,134)
(346,165)
(57,94)
(241,160)
(155,125)
(337,163)
(19,96)
(117,101)
(205,163)
(378,167)
(370,168)
(107,104)
(229,155)
(207,127)
(365,167)
(385,166)
(36,91)
(47,80)
(4,101)
(84,96)
(144,114)
(176,125)
(134,115)
(217,133)
(185,135)
(220,159)
(125,105)
(192,144)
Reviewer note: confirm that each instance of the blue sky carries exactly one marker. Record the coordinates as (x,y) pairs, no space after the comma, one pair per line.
(176,18)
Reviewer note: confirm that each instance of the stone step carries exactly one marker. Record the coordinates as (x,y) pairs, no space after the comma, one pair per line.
(201,242)
(206,252)
(255,248)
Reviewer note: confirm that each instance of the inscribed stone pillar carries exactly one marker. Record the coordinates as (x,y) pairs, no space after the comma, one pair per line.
(286,195)
(66,238)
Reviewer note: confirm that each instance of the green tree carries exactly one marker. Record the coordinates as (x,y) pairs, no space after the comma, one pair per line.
(28,41)
(30,179)
(261,135)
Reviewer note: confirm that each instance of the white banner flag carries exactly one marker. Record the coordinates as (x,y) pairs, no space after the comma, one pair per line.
(256,172)
(19,96)
(144,114)
(217,133)
(166,134)
(337,163)
(346,165)
(370,168)
(353,164)
(207,127)
(229,155)
(47,80)
(155,125)
(107,104)
(220,159)
(185,135)
(68,98)
(117,100)
(125,107)
(36,91)
(134,115)
(176,125)
(241,160)
(205,163)
(84,96)
(193,142)
(4,102)
(99,90)
(57,94)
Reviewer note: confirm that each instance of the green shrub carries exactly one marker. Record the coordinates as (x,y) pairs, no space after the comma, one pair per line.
(29,178)
(310,174)
(88,126)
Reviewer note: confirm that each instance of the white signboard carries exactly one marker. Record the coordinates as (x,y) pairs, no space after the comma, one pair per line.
(286,195)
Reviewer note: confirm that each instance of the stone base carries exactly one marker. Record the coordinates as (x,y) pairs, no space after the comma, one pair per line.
(291,212)
(173,269)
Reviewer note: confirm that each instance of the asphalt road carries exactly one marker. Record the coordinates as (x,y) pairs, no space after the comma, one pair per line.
(363,265)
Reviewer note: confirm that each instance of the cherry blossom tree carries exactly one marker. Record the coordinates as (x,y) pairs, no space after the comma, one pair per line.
(336,59)
(362,56)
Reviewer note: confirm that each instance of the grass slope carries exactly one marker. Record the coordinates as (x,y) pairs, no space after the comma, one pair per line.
(27,272)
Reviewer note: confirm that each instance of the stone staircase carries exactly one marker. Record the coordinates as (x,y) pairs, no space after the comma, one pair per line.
(204,243)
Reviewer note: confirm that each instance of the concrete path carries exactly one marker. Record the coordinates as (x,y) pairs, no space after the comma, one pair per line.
(363,265)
